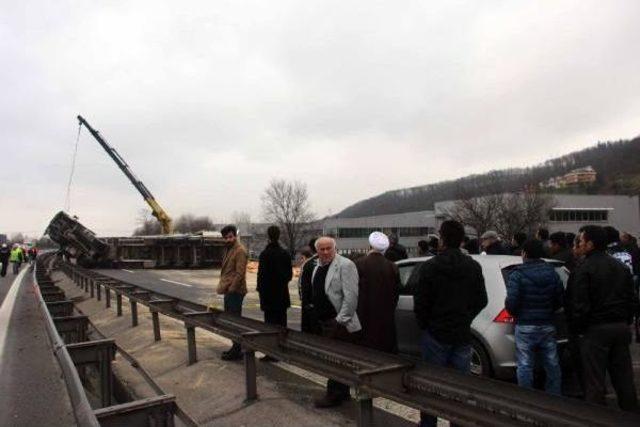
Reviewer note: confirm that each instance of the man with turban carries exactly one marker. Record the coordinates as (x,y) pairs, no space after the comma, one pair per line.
(378,290)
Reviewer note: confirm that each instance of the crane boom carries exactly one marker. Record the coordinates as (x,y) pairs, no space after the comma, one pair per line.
(157,211)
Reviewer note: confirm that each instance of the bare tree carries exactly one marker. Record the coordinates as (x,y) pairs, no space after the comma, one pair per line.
(189,223)
(478,213)
(506,213)
(147,224)
(242,220)
(286,203)
(537,207)
(17,238)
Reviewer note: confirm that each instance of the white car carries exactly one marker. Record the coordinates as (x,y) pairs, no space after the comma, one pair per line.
(493,343)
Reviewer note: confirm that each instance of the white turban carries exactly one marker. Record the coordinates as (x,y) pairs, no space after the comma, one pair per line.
(379,241)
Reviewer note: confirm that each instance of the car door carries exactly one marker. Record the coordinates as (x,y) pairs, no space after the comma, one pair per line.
(408,332)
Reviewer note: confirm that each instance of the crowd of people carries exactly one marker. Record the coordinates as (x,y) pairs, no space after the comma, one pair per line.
(15,255)
(355,300)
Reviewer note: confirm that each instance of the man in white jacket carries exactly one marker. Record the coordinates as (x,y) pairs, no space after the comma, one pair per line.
(334,303)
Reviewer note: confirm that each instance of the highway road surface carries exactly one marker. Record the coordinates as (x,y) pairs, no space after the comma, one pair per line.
(199,286)
(32,391)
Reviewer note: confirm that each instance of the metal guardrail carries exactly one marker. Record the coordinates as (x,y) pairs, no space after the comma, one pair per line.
(68,336)
(463,399)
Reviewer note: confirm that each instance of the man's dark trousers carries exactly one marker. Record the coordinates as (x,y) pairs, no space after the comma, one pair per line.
(276,317)
(233,305)
(457,357)
(604,348)
(3,272)
(331,329)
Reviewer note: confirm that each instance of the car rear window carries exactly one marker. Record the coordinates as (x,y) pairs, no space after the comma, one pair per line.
(406,288)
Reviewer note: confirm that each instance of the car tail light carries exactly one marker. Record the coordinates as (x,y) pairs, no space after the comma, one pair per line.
(504,317)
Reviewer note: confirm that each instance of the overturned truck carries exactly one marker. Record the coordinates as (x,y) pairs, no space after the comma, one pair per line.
(75,240)
(198,250)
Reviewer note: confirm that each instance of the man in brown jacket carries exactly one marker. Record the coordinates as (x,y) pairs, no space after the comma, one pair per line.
(233,281)
(379,287)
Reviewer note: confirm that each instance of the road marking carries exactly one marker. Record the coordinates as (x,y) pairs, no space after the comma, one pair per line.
(6,310)
(177,283)
(128,271)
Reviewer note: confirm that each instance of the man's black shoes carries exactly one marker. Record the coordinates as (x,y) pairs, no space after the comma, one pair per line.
(231,355)
(330,401)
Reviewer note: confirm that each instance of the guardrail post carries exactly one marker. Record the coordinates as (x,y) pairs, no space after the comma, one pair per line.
(156,325)
(107,297)
(191,344)
(250,374)
(134,313)
(118,304)
(106,378)
(91,286)
(98,291)
(365,409)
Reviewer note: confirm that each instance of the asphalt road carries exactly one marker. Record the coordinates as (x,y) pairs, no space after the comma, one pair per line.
(6,282)
(33,392)
(198,286)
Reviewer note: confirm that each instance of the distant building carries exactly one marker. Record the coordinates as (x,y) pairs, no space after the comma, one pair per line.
(580,176)
(570,212)
(352,234)
(576,177)
(573,211)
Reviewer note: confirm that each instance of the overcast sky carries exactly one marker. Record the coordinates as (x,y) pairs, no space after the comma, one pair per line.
(209,100)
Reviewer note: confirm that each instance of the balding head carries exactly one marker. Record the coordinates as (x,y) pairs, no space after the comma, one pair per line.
(326,249)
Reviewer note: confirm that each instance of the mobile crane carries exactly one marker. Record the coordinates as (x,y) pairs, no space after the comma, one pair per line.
(157,211)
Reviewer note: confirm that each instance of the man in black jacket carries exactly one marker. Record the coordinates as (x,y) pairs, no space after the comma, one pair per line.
(449,294)
(396,251)
(558,249)
(601,308)
(4,259)
(308,321)
(274,274)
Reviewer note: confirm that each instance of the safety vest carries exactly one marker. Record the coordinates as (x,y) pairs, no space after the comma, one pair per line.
(16,255)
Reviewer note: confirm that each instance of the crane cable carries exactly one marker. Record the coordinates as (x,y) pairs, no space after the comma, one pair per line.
(67,203)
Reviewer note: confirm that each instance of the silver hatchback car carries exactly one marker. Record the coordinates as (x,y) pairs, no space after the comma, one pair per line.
(493,343)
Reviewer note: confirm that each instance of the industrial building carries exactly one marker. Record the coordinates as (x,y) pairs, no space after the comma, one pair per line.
(570,212)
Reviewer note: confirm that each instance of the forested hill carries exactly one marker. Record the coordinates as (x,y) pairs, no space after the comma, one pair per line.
(616,163)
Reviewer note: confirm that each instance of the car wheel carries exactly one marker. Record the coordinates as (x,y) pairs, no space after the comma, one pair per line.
(480,363)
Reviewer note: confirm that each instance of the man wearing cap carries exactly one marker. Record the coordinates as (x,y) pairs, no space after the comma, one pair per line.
(491,245)
(378,290)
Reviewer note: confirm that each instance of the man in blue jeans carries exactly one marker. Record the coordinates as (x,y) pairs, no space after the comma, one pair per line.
(534,294)
(449,294)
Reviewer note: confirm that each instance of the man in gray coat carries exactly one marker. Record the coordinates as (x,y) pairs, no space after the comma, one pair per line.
(334,300)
